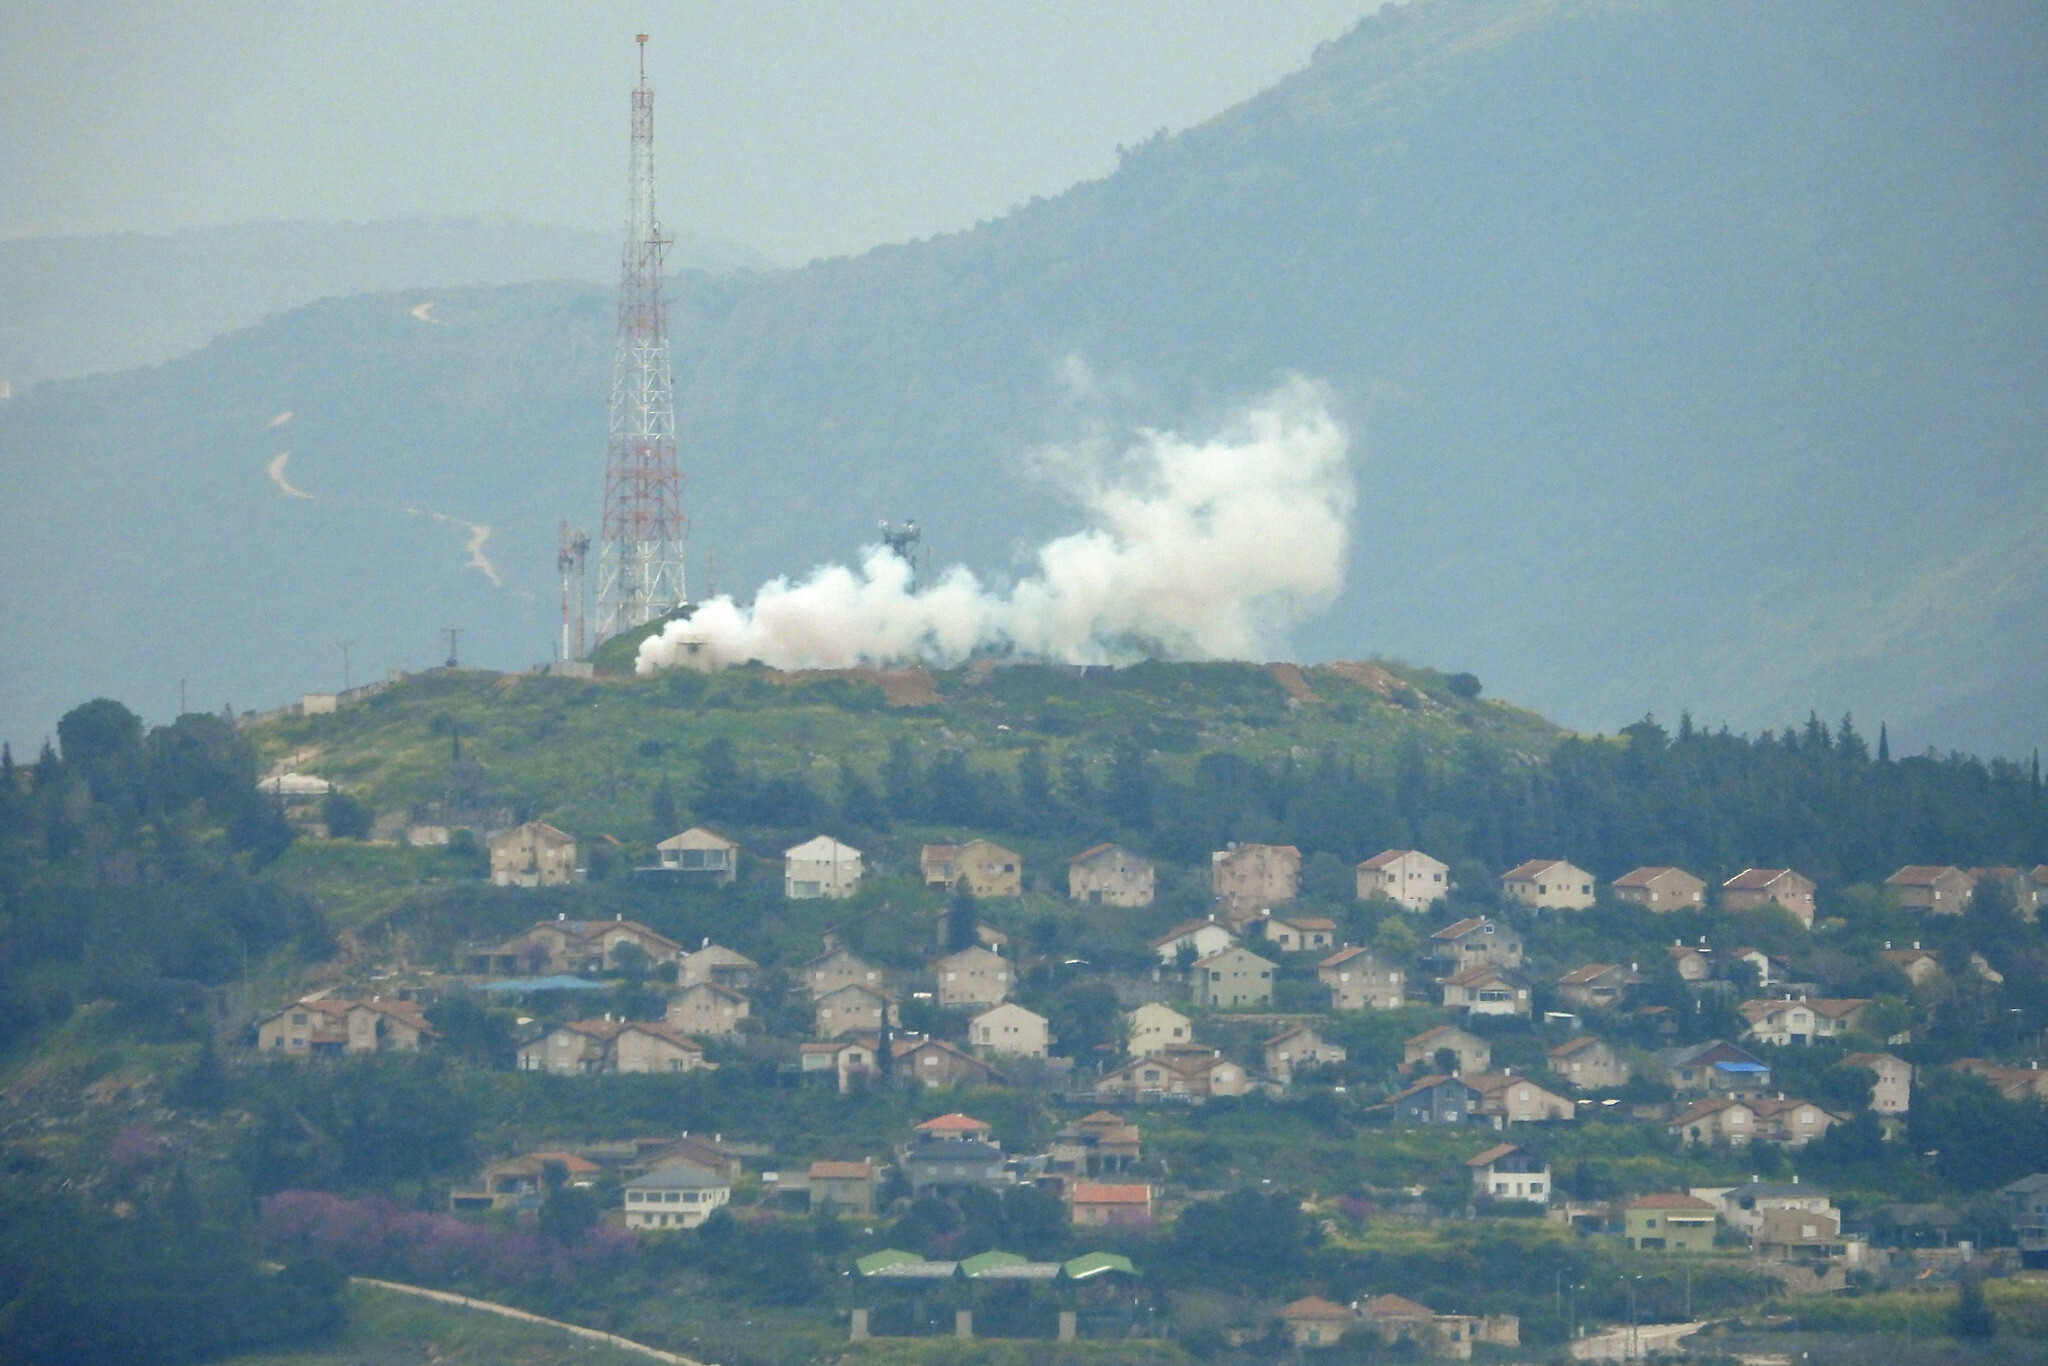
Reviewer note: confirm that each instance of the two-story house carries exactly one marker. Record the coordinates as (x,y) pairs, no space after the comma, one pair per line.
(1433,1099)
(700,855)
(1755,889)
(1359,981)
(973,977)
(1588,1063)
(1193,939)
(838,967)
(1661,889)
(1508,1172)
(1669,1221)
(1474,940)
(1508,1099)
(1892,1092)
(706,1008)
(532,855)
(1485,990)
(1801,1021)
(1550,884)
(1935,889)
(1716,1067)
(1407,877)
(1248,878)
(1010,1031)
(1231,979)
(1153,1027)
(325,1025)
(675,1196)
(1110,875)
(988,869)
(1599,986)
(1472,1053)
(820,867)
(853,1009)
(718,965)
(1295,1048)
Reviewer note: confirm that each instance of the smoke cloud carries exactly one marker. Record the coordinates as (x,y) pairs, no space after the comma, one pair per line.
(1196,549)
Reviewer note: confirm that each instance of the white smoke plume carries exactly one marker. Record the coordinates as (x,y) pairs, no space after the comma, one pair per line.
(1197,550)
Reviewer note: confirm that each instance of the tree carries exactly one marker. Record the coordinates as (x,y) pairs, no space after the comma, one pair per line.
(1971,1317)
(1260,1239)
(1395,940)
(960,917)
(568,1213)
(667,820)
(1463,685)
(346,817)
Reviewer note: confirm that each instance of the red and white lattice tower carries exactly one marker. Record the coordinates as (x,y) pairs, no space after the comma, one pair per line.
(643,538)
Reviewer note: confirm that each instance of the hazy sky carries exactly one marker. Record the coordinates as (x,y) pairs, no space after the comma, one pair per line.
(799,127)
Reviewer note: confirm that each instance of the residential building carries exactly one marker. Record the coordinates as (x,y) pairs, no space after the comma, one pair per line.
(1474,940)
(1746,1207)
(1395,1319)
(954,1166)
(955,1127)
(320,1026)
(1295,1048)
(1094,1145)
(1298,933)
(989,869)
(853,1009)
(1198,938)
(1588,1063)
(582,1047)
(1661,889)
(522,1183)
(1188,1074)
(1769,1119)
(1694,964)
(1892,1092)
(1248,878)
(1599,986)
(532,855)
(1921,966)
(1550,884)
(836,968)
(675,1196)
(1805,1237)
(1508,1099)
(1110,875)
(700,854)
(1231,979)
(1409,878)
(1716,1067)
(703,1008)
(1316,1322)
(1153,1027)
(843,1187)
(1937,890)
(652,1046)
(1508,1172)
(973,977)
(1485,990)
(575,946)
(1097,1204)
(1473,1053)
(1755,889)
(1434,1099)
(847,1060)
(1801,1021)
(2026,1208)
(1669,1221)
(934,1062)
(718,965)
(1010,1031)
(1769,968)
(820,867)
(2014,1083)
(1359,981)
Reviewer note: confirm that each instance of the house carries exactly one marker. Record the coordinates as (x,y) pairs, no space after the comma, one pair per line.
(1395,1320)
(1110,875)
(1661,889)
(1801,1021)
(1094,1145)
(1551,884)
(2026,1209)
(989,869)
(1588,1063)
(1409,878)
(704,1008)
(1936,890)
(1359,981)
(973,977)
(838,968)
(573,946)
(1756,889)
(1693,964)
(1298,933)
(1300,1046)
(1921,966)
(953,1166)
(1010,1031)
(1198,938)
(1770,1119)
(1098,1203)
(1152,1027)
(675,1196)
(522,1183)
(844,1187)
(846,1060)
(1746,1207)
(934,1062)
(652,1046)
(532,855)
(1508,1099)
(1769,968)
(718,965)
(1474,940)
(1234,977)
(582,1047)
(1598,985)
(1715,1067)
(1315,1322)
(1246,878)
(700,854)
(1187,1073)
(1485,990)
(820,867)
(2014,1083)
(326,1025)
(1473,1053)
(853,1009)
(1669,1221)
(1433,1099)
(1507,1172)
(1892,1092)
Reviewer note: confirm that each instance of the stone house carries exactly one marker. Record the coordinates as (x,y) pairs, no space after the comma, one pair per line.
(1232,978)
(1110,875)
(1359,981)
(954,1167)
(934,1062)
(1661,889)
(989,869)
(1474,940)
(1508,1099)
(1098,1204)
(1397,1320)
(522,1183)
(333,1024)
(847,1187)
(654,1046)
(1434,1099)
(1485,990)
(1191,1074)
(1921,966)
(1010,1031)
(853,1009)
(1588,1063)
(820,867)
(973,977)
(1316,1322)
(705,1008)
(676,1196)
(1755,889)
(1093,1145)
(718,965)
(1937,890)
(1598,986)
(1248,878)
(838,968)
(1715,1067)
(1300,1046)
(1802,1021)
(1200,937)
(532,855)
(1474,1054)
(1507,1172)
(1746,1207)
(1769,1119)
(1669,1221)
(575,946)
(583,1047)
(1892,1093)
(1409,878)
(2014,1083)
(1153,1027)
(1550,884)
(846,1060)
(700,854)
(1298,933)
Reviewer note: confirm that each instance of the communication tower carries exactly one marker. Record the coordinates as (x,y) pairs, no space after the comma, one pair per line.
(644,534)
(903,538)
(571,557)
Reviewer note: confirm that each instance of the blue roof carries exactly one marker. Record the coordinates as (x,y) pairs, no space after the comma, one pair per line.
(556,983)
(1740,1067)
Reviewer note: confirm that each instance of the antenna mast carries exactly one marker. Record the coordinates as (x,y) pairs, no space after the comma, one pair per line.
(642,541)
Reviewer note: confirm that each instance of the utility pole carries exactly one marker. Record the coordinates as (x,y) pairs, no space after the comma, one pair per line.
(453,633)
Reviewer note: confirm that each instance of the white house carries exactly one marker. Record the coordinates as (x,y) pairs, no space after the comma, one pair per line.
(1408,877)
(1010,1031)
(1152,1027)
(1204,937)
(674,1197)
(700,853)
(820,867)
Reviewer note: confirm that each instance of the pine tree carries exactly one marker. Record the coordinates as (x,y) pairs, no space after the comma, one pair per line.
(1884,744)
(1971,1317)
